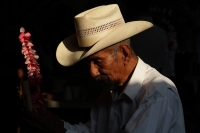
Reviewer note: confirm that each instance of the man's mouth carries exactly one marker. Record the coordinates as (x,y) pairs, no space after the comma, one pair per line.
(105,83)
(101,80)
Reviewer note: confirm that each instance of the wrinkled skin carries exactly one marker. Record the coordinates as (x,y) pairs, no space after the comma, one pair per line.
(108,71)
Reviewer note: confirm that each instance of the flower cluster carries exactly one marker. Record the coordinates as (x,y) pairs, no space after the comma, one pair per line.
(34,75)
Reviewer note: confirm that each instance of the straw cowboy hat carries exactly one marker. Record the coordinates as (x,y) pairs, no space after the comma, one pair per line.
(96,29)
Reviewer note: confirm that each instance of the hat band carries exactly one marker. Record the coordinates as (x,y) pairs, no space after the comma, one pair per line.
(101,28)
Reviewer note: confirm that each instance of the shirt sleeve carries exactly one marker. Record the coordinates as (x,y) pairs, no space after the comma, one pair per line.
(158,114)
(76,128)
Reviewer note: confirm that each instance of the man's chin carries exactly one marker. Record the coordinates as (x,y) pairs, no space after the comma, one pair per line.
(105,83)
(109,85)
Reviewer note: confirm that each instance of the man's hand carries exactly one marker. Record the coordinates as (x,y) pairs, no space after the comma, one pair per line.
(42,122)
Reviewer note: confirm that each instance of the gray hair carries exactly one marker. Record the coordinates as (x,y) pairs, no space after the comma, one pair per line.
(114,48)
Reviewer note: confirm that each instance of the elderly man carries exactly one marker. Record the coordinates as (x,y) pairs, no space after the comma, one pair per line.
(136,97)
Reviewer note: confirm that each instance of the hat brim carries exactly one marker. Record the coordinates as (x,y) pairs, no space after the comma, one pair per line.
(68,51)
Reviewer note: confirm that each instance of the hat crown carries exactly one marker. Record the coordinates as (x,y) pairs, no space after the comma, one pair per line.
(93,24)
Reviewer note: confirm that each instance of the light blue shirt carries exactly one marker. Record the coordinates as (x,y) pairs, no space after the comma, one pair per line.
(150,103)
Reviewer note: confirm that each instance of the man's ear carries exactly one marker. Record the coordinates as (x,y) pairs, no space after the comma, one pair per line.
(126,52)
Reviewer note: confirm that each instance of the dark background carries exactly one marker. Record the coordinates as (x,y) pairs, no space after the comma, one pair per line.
(50,21)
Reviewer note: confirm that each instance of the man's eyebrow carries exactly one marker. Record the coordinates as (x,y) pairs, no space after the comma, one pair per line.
(93,57)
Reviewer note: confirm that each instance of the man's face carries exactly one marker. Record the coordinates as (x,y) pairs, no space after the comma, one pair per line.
(105,69)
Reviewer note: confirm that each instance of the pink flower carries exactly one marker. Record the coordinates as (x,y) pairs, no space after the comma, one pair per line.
(24,37)
(34,76)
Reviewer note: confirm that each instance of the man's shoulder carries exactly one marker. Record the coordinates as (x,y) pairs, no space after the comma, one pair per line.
(158,88)
(155,82)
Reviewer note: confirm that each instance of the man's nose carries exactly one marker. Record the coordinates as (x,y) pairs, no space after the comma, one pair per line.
(94,70)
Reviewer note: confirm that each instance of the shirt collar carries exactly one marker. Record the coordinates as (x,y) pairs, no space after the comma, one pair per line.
(135,82)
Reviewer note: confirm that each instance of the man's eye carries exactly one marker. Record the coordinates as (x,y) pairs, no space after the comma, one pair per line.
(98,60)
